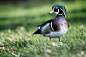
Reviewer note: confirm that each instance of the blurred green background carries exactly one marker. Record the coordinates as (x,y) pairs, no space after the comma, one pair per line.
(19,18)
(30,13)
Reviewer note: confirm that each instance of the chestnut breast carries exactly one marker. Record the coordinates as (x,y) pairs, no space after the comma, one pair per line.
(59,21)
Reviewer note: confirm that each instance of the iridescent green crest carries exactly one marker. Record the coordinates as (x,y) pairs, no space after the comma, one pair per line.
(60,7)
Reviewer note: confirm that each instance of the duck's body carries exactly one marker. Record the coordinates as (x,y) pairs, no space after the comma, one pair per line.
(57,28)
(54,28)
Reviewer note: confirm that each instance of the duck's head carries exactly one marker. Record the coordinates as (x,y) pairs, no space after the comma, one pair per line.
(58,9)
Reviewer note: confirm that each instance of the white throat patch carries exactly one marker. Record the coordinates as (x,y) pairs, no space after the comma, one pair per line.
(57,12)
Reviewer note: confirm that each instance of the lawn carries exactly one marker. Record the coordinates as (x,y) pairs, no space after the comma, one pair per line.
(18,22)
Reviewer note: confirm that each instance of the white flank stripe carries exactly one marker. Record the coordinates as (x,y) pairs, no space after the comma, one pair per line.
(51,26)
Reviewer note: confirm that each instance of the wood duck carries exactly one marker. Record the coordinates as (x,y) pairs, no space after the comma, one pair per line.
(57,27)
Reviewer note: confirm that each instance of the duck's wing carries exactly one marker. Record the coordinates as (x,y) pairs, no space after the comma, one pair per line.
(49,21)
(40,27)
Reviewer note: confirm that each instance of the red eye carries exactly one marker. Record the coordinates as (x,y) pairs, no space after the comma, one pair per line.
(56,7)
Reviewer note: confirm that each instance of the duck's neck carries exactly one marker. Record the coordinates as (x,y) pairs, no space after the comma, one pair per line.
(59,17)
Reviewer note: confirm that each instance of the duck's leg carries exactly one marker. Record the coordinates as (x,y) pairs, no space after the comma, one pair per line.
(59,38)
(50,38)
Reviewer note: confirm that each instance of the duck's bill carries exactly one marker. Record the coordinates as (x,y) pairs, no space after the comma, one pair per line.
(51,11)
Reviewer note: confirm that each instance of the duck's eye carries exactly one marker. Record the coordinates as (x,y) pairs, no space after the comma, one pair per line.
(56,7)
(55,10)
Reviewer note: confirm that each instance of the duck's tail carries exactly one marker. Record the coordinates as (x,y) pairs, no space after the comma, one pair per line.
(37,32)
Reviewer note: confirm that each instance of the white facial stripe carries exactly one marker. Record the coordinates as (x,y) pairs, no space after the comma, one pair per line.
(64,13)
(60,14)
(57,12)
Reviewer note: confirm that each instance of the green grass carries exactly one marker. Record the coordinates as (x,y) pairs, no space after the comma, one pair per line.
(37,45)
(20,21)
